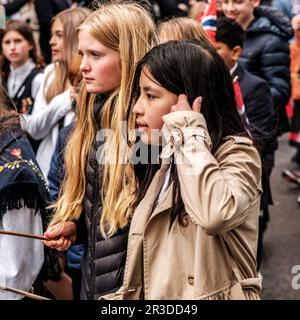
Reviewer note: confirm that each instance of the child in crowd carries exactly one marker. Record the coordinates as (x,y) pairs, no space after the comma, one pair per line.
(258,104)
(193,234)
(89,200)
(53,105)
(21,67)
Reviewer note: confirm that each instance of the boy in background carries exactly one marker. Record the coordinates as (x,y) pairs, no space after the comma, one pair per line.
(258,106)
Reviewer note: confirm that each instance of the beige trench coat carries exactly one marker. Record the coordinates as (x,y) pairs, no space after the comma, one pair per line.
(214,255)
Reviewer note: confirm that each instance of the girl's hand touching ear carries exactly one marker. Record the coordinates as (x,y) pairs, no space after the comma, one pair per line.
(183,104)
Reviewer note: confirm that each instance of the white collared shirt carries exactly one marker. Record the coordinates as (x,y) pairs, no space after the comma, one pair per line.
(233,69)
(18,75)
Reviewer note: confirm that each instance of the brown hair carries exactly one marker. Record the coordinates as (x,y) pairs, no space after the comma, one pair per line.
(27,33)
(71,20)
(8,114)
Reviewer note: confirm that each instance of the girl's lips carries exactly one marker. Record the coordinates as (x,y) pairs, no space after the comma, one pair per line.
(141,126)
(88,79)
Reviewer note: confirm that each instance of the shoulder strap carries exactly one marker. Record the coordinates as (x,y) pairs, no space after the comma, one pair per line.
(27,81)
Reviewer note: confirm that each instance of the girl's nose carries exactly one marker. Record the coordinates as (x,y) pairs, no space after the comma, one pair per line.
(138,107)
(84,66)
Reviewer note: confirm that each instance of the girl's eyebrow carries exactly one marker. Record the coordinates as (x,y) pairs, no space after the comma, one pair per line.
(149,88)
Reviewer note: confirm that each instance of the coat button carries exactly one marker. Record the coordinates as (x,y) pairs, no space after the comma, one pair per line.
(191,280)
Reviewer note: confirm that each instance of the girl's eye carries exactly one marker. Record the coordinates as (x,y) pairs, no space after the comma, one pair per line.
(95,54)
(150,97)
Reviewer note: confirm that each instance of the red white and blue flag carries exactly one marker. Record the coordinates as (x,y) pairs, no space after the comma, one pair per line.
(239,100)
(209,21)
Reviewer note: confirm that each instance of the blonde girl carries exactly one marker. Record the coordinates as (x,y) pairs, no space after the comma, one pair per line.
(111,42)
(181,28)
(52,108)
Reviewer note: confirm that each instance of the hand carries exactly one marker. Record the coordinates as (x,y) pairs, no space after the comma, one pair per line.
(63,235)
(183,104)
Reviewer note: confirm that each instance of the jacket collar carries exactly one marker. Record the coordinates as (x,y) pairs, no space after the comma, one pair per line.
(239,71)
(147,209)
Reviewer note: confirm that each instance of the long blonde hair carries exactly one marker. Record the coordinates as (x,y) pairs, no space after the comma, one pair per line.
(128,29)
(181,28)
(70,19)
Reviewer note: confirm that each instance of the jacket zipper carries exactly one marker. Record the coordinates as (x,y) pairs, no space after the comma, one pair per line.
(93,237)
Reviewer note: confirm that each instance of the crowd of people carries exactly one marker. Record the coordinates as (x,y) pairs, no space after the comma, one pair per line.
(139,149)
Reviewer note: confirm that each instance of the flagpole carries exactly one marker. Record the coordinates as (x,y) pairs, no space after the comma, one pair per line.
(24,293)
(25,235)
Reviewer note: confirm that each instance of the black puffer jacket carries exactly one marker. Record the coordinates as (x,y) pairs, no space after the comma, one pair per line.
(266,54)
(104,260)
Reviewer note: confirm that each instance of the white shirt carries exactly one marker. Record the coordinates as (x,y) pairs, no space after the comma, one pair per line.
(21,259)
(43,121)
(165,185)
(233,69)
(18,75)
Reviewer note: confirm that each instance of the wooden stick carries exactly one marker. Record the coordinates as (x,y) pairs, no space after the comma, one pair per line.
(25,235)
(24,293)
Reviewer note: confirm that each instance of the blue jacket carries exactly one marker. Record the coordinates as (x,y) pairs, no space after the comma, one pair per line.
(55,178)
(260,111)
(266,54)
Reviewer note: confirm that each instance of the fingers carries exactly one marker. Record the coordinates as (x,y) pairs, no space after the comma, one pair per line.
(54,231)
(197,104)
(62,244)
(183,104)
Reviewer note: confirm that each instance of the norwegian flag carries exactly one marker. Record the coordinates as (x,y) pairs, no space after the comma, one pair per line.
(209,21)
(239,100)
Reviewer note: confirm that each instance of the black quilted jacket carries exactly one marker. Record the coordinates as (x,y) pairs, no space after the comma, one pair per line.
(104,260)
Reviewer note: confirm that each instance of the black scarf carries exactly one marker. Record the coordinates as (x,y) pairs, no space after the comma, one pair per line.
(21,181)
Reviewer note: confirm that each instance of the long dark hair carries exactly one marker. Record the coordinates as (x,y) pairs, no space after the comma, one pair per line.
(8,112)
(27,33)
(193,68)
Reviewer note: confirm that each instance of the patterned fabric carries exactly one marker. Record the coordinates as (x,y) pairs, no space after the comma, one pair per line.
(21,181)
(22,185)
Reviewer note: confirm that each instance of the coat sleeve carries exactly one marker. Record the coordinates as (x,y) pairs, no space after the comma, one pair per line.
(216,190)
(56,174)
(262,117)
(275,68)
(39,124)
(21,259)
(14,6)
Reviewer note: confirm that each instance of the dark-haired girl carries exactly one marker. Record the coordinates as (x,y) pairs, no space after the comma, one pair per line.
(23,198)
(21,65)
(193,234)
